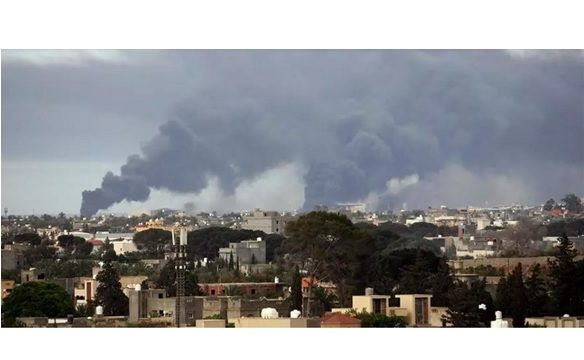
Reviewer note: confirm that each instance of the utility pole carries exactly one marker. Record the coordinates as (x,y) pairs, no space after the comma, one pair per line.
(180,268)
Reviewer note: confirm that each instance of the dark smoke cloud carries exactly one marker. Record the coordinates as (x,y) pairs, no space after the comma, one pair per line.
(356,119)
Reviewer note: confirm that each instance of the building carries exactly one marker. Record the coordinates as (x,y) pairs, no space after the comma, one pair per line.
(105,235)
(245,252)
(12,258)
(7,287)
(154,306)
(339,320)
(267,289)
(97,244)
(84,291)
(284,322)
(415,309)
(270,222)
(32,274)
(124,246)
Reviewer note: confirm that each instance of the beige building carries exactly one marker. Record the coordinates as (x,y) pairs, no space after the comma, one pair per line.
(415,309)
(270,222)
(257,322)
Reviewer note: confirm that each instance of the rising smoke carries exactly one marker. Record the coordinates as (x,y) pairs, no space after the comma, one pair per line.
(383,124)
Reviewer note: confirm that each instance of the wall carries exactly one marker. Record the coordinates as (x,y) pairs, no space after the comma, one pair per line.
(277,323)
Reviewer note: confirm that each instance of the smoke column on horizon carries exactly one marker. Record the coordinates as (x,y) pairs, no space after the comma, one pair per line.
(357,119)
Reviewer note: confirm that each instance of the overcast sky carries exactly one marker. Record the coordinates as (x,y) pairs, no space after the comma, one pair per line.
(232,130)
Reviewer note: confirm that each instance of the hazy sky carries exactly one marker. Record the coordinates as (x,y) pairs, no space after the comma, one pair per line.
(231,130)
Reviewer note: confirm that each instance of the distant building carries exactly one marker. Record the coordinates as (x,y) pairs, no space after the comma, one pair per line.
(270,222)
(353,207)
(12,258)
(245,252)
(267,289)
(123,247)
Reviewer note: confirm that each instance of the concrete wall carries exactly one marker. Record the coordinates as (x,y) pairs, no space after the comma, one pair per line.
(210,323)
(277,323)
(12,259)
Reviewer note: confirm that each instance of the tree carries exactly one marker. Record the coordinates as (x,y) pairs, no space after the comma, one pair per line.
(464,305)
(296,290)
(330,248)
(518,296)
(566,290)
(167,281)
(108,253)
(415,278)
(373,320)
(442,282)
(109,292)
(230,263)
(37,298)
(549,205)
(537,293)
(573,203)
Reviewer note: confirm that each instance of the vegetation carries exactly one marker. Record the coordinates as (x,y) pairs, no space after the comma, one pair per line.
(373,320)
(464,308)
(109,292)
(567,280)
(36,299)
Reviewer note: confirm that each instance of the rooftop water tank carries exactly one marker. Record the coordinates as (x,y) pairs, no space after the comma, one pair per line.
(269,313)
(295,314)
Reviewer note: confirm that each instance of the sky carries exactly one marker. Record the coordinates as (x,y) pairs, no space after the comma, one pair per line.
(95,130)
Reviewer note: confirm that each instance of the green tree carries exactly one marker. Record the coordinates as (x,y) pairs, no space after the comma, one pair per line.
(296,290)
(518,296)
(109,292)
(566,289)
(167,280)
(464,308)
(230,263)
(37,298)
(537,293)
(108,253)
(549,205)
(373,320)
(416,278)
(330,248)
(573,203)
(442,282)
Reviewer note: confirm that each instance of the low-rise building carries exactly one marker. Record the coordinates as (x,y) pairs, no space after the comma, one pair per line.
(257,289)
(245,252)
(270,222)
(124,246)
(415,309)
(12,258)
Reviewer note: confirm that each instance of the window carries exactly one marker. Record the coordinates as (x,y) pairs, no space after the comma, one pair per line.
(379,306)
(160,295)
(213,292)
(191,315)
(253,291)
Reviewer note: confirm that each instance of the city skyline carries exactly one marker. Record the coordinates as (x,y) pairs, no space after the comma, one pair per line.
(290,129)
